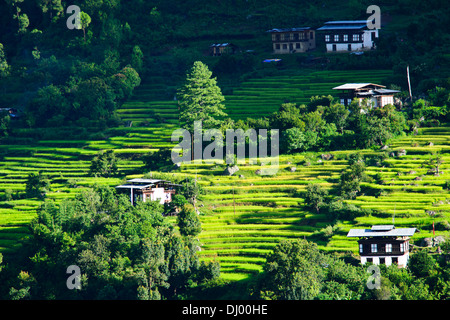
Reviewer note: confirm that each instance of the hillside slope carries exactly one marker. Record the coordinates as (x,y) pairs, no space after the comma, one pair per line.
(243,216)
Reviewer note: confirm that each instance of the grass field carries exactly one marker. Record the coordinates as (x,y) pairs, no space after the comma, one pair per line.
(243,216)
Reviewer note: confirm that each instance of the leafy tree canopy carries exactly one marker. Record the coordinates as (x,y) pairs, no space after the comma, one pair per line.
(123,251)
(200,99)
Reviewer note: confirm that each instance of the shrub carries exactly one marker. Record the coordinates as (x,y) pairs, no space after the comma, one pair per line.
(189,222)
(447,185)
(442,225)
(104,164)
(315,196)
(158,159)
(37,185)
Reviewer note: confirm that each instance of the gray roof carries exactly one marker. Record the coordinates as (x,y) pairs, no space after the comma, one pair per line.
(289,29)
(133,186)
(139,183)
(382,231)
(221,44)
(347,22)
(383,227)
(148,181)
(357,27)
(342,25)
(350,86)
(385,91)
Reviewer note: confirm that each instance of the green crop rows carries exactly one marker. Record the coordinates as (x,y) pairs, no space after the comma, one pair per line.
(243,216)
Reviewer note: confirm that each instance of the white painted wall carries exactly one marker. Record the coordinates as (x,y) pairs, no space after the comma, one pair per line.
(356,46)
(387,100)
(158,195)
(344,46)
(402,260)
(367,38)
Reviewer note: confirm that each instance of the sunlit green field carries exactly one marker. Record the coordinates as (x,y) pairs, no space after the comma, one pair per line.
(243,216)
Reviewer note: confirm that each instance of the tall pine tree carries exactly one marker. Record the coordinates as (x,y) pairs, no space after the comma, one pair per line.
(200,99)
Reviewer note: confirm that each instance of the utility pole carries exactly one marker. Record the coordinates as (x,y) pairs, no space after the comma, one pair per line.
(409,82)
(234,204)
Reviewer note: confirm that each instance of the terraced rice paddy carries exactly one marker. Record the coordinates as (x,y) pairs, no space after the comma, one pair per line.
(261,97)
(243,216)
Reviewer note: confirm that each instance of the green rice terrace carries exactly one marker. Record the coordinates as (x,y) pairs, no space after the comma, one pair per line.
(245,215)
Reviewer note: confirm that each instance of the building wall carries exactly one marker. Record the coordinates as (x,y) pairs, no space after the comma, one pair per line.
(355,46)
(365,44)
(289,47)
(380,101)
(158,195)
(285,43)
(387,100)
(402,260)
(367,38)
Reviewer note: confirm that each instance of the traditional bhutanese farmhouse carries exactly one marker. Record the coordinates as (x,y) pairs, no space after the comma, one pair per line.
(148,190)
(383,244)
(378,94)
(218,49)
(352,35)
(293,40)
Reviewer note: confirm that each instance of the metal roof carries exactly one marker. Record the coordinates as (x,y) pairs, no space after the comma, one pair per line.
(347,22)
(383,227)
(289,29)
(382,231)
(386,91)
(344,24)
(149,181)
(221,44)
(355,27)
(353,86)
(133,186)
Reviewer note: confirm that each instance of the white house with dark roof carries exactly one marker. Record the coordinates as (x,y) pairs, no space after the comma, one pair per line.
(378,94)
(348,35)
(148,190)
(383,244)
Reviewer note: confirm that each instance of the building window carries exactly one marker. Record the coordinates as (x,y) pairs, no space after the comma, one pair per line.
(373,247)
(284,46)
(345,37)
(388,247)
(402,247)
(349,47)
(336,37)
(327,38)
(277,46)
(311,35)
(297,46)
(355,37)
(360,248)
(287,36)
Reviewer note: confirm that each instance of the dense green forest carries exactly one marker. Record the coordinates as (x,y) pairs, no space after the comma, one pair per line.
(71,85)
